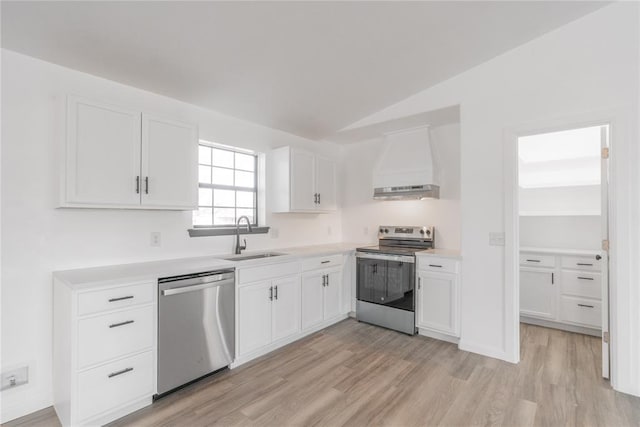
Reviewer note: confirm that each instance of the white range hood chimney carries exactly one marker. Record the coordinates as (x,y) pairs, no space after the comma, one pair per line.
(406,167)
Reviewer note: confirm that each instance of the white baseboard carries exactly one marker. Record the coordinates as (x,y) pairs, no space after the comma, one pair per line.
(438,335)
(561,326)
(241,360)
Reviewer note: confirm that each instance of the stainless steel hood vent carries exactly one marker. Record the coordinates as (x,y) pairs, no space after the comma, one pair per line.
(406,169)
(407,192)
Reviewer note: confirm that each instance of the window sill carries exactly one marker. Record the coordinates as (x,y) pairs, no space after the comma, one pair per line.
(225,231)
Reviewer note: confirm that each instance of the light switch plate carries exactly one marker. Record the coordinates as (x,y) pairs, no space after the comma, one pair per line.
(496,238)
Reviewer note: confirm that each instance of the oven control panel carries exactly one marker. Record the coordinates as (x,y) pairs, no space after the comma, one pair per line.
(405,232)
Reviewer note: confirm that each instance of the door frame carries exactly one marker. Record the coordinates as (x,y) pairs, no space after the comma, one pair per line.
(616,121)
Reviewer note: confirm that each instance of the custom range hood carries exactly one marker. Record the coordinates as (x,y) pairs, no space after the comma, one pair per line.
(406,169)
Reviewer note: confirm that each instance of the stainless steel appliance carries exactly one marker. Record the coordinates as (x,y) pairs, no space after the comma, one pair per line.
(386,277)
(196,327)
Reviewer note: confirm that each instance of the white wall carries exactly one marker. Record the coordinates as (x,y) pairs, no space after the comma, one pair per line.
(360,211)
(38,239)
(567,231)
(587,66)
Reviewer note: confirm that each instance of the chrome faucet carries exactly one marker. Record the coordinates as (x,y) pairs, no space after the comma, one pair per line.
(239,248)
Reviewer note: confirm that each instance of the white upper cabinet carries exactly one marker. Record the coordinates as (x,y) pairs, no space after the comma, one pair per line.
(119,158)
(301,181)
(102,155)
(169,159)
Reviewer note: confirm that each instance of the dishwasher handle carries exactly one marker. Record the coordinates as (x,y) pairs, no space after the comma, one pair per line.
(196,287)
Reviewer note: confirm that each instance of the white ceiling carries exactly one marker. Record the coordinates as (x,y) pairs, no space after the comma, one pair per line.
(309,68)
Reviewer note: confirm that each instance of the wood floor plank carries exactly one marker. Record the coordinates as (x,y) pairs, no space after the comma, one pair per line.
(354,374)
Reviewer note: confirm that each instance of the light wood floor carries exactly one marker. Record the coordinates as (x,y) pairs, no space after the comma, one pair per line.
(359,375)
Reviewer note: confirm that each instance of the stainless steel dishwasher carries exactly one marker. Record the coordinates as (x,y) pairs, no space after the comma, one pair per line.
(196,327)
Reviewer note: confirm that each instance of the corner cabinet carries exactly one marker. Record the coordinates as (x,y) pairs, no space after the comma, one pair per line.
(438,300)
(301,181)
(121,158)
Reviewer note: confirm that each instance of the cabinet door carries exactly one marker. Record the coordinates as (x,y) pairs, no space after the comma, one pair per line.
(438,302)
(302,181)
(312,311)
(102,156)
(326,184)
(254,317)
(286,307)
(169,163)
(537,293)
(332,292)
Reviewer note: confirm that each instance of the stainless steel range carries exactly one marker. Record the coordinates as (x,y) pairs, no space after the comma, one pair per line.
(386,277)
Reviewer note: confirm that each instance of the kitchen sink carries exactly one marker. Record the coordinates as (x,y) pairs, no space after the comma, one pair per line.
(253,256)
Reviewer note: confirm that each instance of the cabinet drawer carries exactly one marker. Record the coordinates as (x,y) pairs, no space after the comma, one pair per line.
(585,312)
(537,260)
(114,298)
(267,271)
(106,387)
(321,262)
(581,263)
(438,264)
(114,335)
(582,284)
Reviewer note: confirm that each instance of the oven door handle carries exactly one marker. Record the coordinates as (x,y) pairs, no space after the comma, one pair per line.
(386,257)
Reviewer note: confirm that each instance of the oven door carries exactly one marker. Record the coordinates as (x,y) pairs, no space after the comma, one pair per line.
(386,280)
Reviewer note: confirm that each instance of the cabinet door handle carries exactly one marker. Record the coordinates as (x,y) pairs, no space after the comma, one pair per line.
(115,325)
(124,371)
(533,260)
(120,298)
(419,283)
(327,279)
(553,282)
(585,305)
(315,198)
(146,185)
(275,295)
(318,198)
(138,184)
(324,280)
(271,293)
(585,278)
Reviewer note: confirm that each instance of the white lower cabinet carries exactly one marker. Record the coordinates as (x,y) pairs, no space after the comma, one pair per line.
(103,351)
(267,312)
(438,297)
(321,293)
(563,290)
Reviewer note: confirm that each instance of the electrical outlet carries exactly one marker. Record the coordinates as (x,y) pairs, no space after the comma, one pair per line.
(496,239)
(274,233)
(156,239)
(15,378)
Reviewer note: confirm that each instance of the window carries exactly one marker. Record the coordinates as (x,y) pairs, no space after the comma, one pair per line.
(227,187)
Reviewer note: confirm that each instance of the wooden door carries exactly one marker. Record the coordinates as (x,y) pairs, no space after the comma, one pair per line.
(103,155)
(254,317)
(286,307)
(169,163)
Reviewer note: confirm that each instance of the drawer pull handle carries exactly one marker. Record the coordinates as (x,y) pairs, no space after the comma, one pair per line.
(124,371)
(585,264)
(585,305)
(533,260)
(115,325)
(121,298)
(585,278)
(435,265)
(325,262)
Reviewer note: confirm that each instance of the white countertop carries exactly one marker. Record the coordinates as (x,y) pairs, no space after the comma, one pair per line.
(441,253)
(150,271)
(561,251)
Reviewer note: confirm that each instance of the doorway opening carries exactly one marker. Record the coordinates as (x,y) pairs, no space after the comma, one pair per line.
(563,236)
